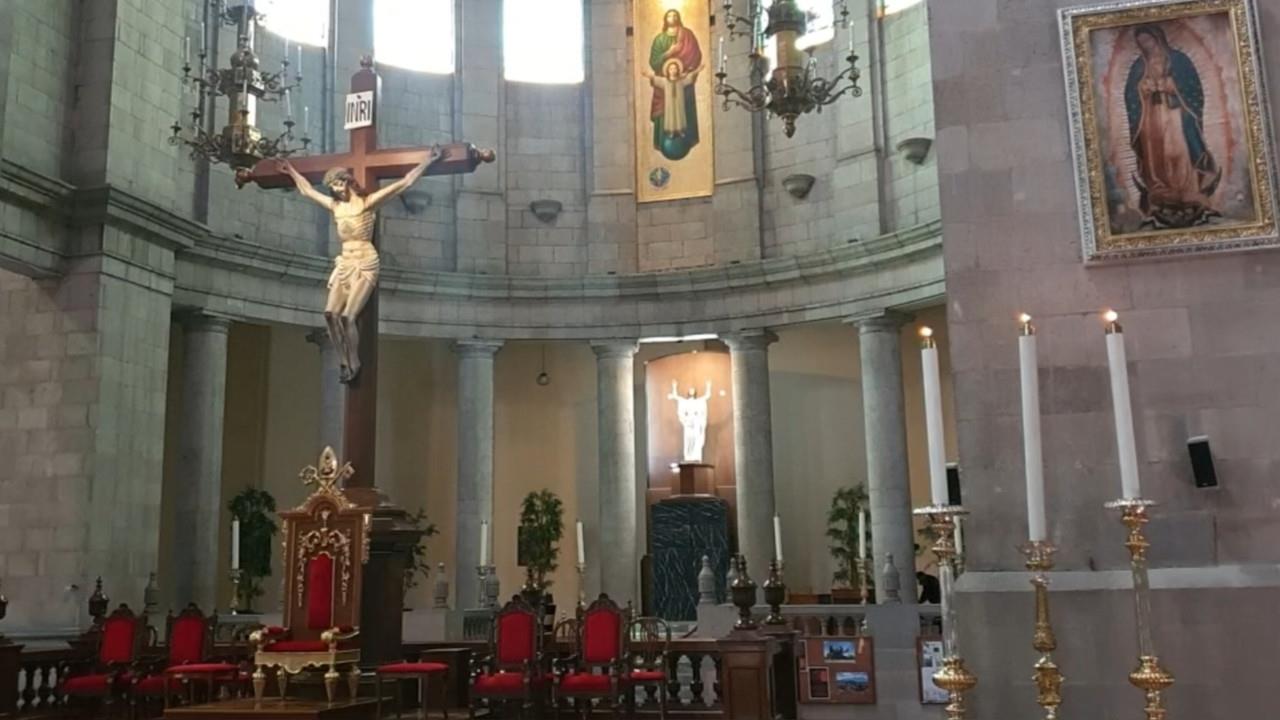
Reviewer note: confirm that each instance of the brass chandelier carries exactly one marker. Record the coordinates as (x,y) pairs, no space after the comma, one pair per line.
(240,143)
(793,88)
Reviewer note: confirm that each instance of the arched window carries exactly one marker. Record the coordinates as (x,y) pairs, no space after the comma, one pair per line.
(892,6)
(543,41)
(301,21)
(414,34)
(819,29)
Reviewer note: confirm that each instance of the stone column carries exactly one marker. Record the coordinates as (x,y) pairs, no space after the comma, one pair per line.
(617,551)
(333,396)
(199,470)
(884,417)
(753,447)
(475,462)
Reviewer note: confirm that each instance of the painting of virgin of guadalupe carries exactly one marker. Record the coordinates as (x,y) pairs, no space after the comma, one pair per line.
(1170,129)
(674,154)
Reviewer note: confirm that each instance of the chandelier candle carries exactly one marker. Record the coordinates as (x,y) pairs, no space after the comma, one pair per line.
(1031,450)
(1125,445)
(933,417)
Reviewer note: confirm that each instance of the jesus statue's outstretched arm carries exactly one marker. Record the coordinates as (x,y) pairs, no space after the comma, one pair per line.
(305,187)
(704,397)
(675,391)
(382,195)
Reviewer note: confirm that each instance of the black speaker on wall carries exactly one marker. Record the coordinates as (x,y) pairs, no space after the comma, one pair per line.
(953,484)
(1202,462)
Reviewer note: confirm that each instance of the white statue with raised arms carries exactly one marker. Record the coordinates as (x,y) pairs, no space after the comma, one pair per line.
(692,413)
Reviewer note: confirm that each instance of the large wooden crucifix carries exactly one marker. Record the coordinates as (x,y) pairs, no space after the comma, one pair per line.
(353,178)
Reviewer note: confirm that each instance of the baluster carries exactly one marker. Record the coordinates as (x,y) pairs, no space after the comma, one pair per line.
(47,683)
(673,677)
(26,693)
(718,685)
(696,686)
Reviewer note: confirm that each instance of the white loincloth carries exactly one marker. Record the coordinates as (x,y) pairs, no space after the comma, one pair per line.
(346,270)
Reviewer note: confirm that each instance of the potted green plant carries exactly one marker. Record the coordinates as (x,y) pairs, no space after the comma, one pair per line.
(254,509)
(842,531)
(418,568)
(541,527)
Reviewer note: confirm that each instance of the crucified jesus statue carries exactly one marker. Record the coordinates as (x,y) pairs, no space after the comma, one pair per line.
(355,269)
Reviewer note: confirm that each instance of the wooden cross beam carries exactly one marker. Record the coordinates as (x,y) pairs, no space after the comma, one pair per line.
(368,163)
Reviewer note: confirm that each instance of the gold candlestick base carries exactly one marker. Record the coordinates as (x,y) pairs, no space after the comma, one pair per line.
(1047,677)
(1149,677)
(954,677)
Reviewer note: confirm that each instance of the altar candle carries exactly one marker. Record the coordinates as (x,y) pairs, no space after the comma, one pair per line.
(862,534)
(933,417)
(582,548)
(235,544)
(959,535)
(777,537)
(1125,444)
(288,105)
(484,543)
(298,67)
(724,59)
(186,50)
(306,120)
(1031,453)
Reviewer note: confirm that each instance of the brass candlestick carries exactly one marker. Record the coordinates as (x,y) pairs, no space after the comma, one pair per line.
(1048,678)
(775,594)
(1148,676)
(582,585)
(234,607)
(743,592)
(954,677)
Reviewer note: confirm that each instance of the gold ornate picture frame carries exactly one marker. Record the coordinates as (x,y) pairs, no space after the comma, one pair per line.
(1170,127)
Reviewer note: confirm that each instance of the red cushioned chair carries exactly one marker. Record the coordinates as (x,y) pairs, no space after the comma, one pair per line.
(594,670)
(423,671)
(119,647)
(326,547)
(648,642)
(189,639)
(512,672)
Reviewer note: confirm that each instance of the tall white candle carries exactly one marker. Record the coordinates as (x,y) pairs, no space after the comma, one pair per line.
(306,120)
(862,534)
(235,544)
(582,548)
(933,418)
(288,105)
(484,543)
(1031,452)
(777,537)
(1125,444)
(186,50)
(959,535)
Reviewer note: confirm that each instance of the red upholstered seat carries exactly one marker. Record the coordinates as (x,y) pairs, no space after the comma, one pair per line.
(202,669)
(584,683)
(154,685)
(502,683)
(413,668)
(95,684)
(298,646)
(646,676)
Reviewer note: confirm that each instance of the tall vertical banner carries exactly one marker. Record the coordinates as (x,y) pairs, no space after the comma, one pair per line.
(674,65)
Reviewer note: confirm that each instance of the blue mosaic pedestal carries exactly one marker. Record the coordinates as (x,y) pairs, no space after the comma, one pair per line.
(682,530)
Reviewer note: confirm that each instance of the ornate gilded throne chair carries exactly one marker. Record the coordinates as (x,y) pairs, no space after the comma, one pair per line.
(325,550)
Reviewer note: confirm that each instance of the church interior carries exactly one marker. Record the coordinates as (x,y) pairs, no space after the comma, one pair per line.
(742,359)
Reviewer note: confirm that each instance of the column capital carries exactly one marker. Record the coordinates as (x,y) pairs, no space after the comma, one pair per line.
(477,347)
(754,339)
(615,348)
(201,321)
(320,338)
(884,320)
